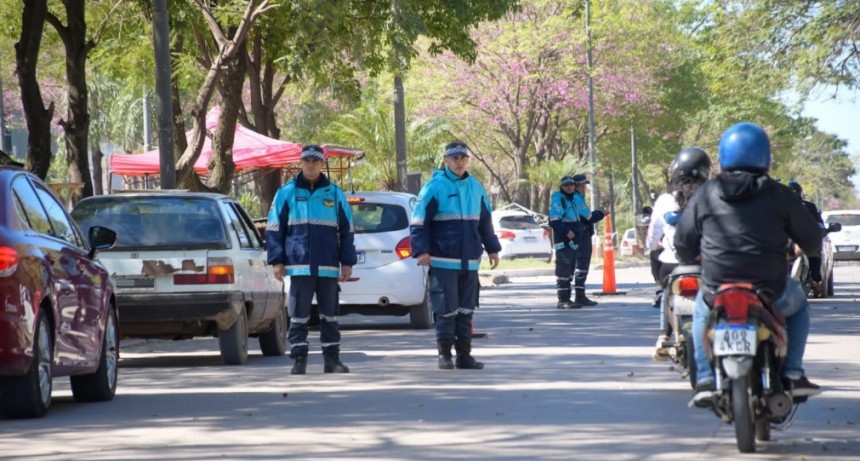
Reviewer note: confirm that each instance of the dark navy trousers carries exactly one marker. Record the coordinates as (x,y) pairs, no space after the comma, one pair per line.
(453,299)
(583,260)
(302,290)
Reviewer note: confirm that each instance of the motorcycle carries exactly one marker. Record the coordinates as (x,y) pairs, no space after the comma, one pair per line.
(747,344)
(799,266)
(679,298)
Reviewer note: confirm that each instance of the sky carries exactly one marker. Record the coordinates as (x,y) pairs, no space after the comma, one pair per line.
(839,116)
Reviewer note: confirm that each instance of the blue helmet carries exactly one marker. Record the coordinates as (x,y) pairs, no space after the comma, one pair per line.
(745,146)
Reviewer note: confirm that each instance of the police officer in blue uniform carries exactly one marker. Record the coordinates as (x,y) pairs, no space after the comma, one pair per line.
(309,235)
(587,219)
(566,232)
(451,227)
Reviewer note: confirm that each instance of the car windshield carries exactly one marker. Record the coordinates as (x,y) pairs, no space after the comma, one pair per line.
(844,219)
(372,218)
(519,222)
(155,222)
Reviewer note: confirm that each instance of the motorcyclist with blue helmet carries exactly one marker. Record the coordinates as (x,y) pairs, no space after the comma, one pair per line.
(814,261)
(740,223)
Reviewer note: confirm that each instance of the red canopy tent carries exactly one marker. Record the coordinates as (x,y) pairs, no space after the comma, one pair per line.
(250,150)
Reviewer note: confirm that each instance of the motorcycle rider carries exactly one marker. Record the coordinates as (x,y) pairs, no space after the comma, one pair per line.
(689,170)
(740,223)
(814,261)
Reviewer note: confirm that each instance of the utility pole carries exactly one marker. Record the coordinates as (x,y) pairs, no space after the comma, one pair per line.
(635,168)
(400,133)
(161,37)
(3,145)
(592,156)
(147,129)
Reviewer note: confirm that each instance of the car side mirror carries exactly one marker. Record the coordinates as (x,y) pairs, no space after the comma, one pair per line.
(834,227)
(100,238)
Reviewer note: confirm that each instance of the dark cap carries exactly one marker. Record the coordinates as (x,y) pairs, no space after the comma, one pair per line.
(580,179)
(456,148)
(313,151)
(567,180)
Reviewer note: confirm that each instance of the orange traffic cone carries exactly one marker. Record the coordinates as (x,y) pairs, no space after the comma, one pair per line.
(609,261)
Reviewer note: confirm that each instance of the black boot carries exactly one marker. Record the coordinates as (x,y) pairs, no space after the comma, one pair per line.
(581,299)
(446,361)
(568,305)
(300,365)
(333,364)
(464,356)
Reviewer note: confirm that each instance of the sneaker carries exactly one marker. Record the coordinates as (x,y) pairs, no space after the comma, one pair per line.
(661,354)
(706,385)
(658,298)
(706,390)
(802,387)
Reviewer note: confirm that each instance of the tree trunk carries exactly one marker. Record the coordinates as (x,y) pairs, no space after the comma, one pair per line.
(98,172)
(222,167)
(37,115)
(263,99)
(77,123)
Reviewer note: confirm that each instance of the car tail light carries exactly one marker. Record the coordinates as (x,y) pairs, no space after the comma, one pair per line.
(686,286)
(506,234)
(8,261)
(624,243)
(404,248)
(736,304)
(545,234)
(218,271)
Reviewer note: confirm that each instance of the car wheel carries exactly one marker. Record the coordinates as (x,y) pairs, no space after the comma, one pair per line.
(29,396)
(273,342)
(419,315)
(829,289)
(100,386)
(234,341)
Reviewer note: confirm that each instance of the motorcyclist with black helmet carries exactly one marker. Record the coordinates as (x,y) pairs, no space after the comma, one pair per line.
(740,223)
(814,261)
(690,168)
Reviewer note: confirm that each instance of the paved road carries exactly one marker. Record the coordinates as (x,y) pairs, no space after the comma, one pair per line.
(559,385)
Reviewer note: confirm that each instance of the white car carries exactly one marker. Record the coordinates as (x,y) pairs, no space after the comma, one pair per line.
(189,264)
(520,235)
(628,242)
(846,243)
(387,280)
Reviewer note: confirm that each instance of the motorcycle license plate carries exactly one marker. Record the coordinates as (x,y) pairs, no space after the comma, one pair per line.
(734,340)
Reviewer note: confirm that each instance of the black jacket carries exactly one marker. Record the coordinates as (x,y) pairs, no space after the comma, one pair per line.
(740,223)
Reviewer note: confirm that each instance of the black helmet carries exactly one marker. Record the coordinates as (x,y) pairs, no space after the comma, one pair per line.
(795,187)
(691,163)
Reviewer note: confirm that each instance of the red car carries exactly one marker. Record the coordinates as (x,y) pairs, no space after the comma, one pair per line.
(57,307)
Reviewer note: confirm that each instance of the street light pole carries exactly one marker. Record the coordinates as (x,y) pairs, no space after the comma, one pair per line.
(592,156)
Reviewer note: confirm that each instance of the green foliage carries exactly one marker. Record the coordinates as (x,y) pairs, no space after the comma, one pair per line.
(251,204)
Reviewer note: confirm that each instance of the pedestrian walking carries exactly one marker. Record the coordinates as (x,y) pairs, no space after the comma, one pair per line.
(309,235)
(451,227)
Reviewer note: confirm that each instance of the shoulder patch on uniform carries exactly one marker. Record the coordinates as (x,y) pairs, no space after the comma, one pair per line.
(328,202)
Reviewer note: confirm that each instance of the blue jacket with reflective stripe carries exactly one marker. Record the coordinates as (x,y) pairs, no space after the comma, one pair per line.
(563,218)
(310,231)
(453,222)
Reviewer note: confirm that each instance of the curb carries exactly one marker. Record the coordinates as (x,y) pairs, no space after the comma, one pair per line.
(502,276)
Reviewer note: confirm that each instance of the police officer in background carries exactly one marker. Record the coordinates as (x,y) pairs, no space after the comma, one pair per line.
(451,227)
(566,231)
(587,219)
(309,232)
(814,261)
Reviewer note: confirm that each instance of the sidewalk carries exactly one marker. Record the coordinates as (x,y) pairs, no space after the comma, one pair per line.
(499,276)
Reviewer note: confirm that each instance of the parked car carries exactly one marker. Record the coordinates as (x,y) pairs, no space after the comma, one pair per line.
(628,241)
(846,243)
(58,314)
(386,280)
(190,264)
(520,235)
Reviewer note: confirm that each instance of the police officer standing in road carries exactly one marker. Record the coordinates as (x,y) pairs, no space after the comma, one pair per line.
(451,227)
(587,219)
(566,231)
(309,232)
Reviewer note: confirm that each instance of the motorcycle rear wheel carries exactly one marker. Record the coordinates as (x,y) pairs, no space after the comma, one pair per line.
(743,414)
(690,352)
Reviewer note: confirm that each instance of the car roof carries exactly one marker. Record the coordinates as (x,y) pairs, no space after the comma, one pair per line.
(383,196)
(159,194)
(834,212)
(502,213)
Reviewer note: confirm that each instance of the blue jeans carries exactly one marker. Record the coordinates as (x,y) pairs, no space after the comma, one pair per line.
(793,305)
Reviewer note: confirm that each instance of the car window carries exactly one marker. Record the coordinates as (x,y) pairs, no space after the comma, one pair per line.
(630,235)
(370,218)
(155,222)
(519,222)
(238,229)
(844,219)
(63,228)
(256,239)
(28,207)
